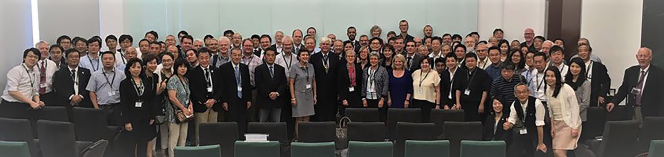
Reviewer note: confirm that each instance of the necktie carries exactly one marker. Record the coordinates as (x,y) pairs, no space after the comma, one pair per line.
(408,61)
(73,75)
(640,87)
(325,63)
(272,71)
(207,77)
(238,81)
(42,77)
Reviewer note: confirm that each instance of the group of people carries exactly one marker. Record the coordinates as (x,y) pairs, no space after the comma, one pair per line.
(526,93)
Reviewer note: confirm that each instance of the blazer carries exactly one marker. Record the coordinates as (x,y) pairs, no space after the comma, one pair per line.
(446,85)
(381,79)
(326,82)
(265,84)
(131,113)
(651,95)
(488,133)
(569,106)
(229,94)
(198,87)
(343,82)
(63,86)
(417,58)
(600,84)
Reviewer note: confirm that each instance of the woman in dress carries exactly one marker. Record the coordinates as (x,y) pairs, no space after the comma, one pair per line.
(401,84)
(564,112)
(178,94)
(303,90)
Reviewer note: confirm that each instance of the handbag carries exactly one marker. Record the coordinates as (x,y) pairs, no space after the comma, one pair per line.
(180,117)
(341,132)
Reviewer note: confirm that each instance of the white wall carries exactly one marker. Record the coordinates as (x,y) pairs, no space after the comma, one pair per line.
(604,22)
(70,17)
(16,29)
(111,22)
(513,16)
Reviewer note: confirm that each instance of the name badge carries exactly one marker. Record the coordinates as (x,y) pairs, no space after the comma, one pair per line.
(523,131)
(209,89)
(139,104)
(43,85)
(466,92)
(636,91)
(419,90)
(111,93)
(308,86)
(239,89)
(351,89)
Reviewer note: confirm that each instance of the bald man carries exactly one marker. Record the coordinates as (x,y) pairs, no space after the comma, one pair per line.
(643,88)
(528,35)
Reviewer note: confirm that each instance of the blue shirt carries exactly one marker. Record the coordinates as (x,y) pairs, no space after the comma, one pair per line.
(90,63)
(493,71)
(106,85)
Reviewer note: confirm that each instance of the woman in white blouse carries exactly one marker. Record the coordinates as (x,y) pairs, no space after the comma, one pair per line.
(426,89)
(564,112)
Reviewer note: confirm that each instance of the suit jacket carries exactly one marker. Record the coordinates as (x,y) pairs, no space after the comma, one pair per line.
(326,82)
(63,86)
(446,85)
(600,84)
(198,87)
(295,52)
(343,84)
(356,45)
(266,84)
(652,91)
(487,130)
(229,94)
(417,58)
(128,98)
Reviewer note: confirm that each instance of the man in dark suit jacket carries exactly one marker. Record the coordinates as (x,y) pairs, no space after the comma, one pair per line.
(236,96)
(642,87)
(271,87)
(412,59)
(70,89)
(599,77)
(447,94)
(205,86)
(325,68)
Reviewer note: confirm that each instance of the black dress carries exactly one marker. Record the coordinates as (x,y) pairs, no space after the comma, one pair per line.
(137,107)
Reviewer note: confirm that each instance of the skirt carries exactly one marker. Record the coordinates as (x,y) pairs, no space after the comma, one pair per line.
(563,139)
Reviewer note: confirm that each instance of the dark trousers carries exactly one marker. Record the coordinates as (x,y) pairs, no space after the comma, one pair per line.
(425,107)
(19,110)
(521,145)
(382,111)
(237,112)
(286,116)
(113,113)
(325,109)
(48,98)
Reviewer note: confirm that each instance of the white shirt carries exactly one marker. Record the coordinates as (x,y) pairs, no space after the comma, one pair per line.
(24,81)
(209,77)
(76,81)
(539,112)
(119,58)
(286,61)
(589,70)
(563,70)
(537,85)
(644,78)
(449,95)
(252,62)
(50,69)
(485,63)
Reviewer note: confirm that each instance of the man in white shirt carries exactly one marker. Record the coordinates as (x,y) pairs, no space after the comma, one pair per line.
(21,91)
(46,70)
(287,58)
(527,120)
(558,60)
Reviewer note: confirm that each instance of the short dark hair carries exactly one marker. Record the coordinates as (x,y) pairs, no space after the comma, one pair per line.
(62,38)
(166,54)
(108,52)
(508,66)
(148,58)
(208,37)
(110,37)
(556,48)
(460,45)
(447,34)
(187,37)
(255,36)
(470,55)
(494,48)
(541,54)
(351,27)
(441,60)
(183,32)
(228,32)
(388,46)
(93,40)
(450,55)
(498,30)
(203,50)
(456,36)
(33,50)
(437,38)
(270,49)
(540,38)
(72,50)
(56,46)
(266,36)
(126,37)
(180,62)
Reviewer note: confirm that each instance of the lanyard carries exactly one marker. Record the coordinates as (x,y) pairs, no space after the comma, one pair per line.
(250,59)
(470,77)
(110,83)
(372,76)
(139,89)
(186,88)
(90,59)
(588,69)
(425,77)
(32,81)
(305,70)
(288,64)
(121,56)
(539,83)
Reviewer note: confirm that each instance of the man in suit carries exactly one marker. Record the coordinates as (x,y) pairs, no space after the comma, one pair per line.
(271,87)
(205,86)
(69,84)
(325,68)
(597,75)
(447,95)
(297,41)
(642,88)
(236,96)
(412,59)
(351,32)
(278,38)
